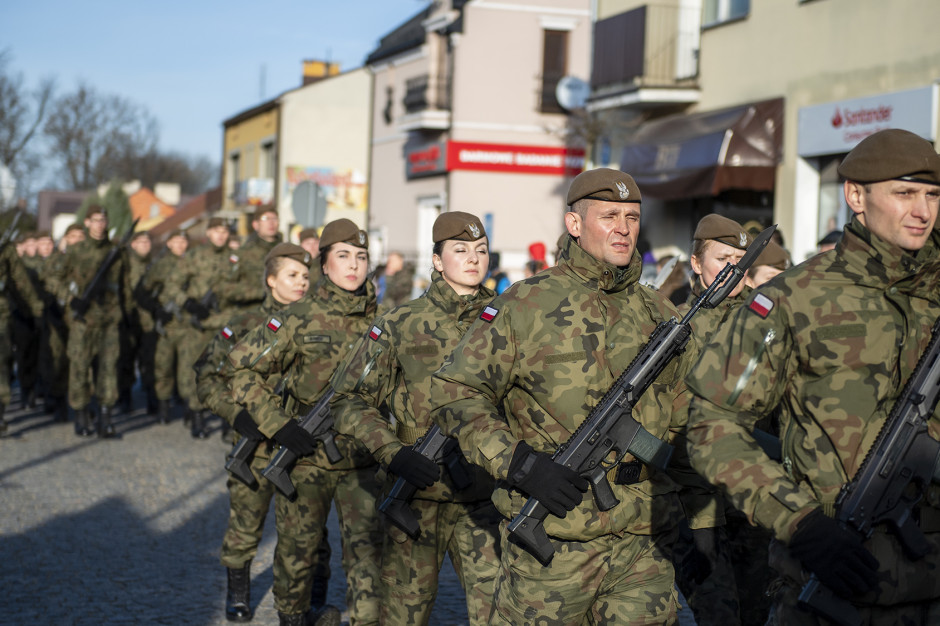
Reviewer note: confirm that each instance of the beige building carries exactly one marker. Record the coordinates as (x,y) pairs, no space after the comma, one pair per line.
(783,89)
(466,118)
(305,151)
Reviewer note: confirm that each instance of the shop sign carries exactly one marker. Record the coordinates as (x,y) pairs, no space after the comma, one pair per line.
(426,160)
(516,159)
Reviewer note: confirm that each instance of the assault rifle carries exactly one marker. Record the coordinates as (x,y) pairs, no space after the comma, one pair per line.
(318,422)
(610,427)
(891,480)
(106,264)
(238,460)
(11,231)
(440,448)
(210,302)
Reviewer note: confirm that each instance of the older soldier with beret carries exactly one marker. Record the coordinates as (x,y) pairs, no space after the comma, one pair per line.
(394,370)
(305,343)
(523,379)
(830,344)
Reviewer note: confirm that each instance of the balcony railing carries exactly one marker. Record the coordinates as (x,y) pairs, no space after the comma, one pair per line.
(650,46)
(425,92)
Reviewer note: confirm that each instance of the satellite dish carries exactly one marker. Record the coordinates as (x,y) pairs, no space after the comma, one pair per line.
(572,92)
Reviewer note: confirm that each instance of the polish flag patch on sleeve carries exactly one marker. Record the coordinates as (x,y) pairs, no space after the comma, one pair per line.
(375,333)
(489,314)
(274,324)
(233,258)
(227,333)
(761,304)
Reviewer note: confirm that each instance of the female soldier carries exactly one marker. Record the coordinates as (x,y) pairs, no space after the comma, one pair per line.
(305,343)
(403,349)
(286,277)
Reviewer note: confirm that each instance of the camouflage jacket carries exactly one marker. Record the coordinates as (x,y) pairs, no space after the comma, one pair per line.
(532,368)
(138,267)
(244,285)
(206,268)
(305,343)
(16,285)
(213,376)
(114,295)
(706,321)
(830,343)
(164,281)
(394,369)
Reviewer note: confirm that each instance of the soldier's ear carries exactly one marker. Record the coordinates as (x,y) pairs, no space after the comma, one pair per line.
(854,196)
(437,263)
(573,224)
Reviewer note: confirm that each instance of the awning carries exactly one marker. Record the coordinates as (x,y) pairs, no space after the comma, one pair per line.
(703,154)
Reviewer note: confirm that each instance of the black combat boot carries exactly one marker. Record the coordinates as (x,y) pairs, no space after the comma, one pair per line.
(3,422)
(187,416)
(60,410)
(163,411)
(83,423)
(327,615)
(238,596)
(292,620)
(126,401)
(153,405)
(105,428)
(200,430)
(318,589)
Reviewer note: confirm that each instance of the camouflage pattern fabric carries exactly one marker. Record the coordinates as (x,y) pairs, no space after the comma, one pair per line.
(244,286)
(393,368)
(629,578)
(96,339)
(247,511)
(26,331)
(139,340)
(305,343)
(541,356)
(831,343)
(53,363)
(15,284)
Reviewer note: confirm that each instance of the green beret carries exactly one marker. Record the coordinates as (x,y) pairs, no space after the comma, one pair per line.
(603,184)
(43,234)
(773,255)
(308,233)
(215,222)
(177,232)
(291,251)
(892,154)
(457,225)
(262,210)
(344,231)
(74,226)
(139,234)
(719,228)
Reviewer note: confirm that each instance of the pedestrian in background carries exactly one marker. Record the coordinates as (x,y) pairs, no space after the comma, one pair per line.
(390,375)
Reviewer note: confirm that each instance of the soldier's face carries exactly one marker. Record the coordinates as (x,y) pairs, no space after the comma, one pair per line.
(177,245)
(757,276)
(463,264)
(311,245)
(290,282)
(715,255)
(266,226)
(606,230)
(141,245)
(346,266)
(74,236)
(29,247)
(900,212)
(217,236)
(45,246)
(96,225)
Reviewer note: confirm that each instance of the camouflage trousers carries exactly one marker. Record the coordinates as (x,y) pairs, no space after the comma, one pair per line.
(53,361)
(300,527)
(607,580)
(6,357)
(468,532)
(247,511)
(26,341)
(93,352)
(176,352)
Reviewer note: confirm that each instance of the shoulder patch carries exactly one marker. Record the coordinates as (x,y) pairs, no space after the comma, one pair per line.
(761,304)
(227,333)
(233,258)
(489,314)
(375,333)
(274,324)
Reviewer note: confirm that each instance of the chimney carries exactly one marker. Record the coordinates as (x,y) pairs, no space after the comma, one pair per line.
(315,70)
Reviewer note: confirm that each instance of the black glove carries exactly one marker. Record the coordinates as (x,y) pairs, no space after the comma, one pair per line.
(414,467)
(557,487)
(835,554)
(163,316)
(246,427)
(296,439)
(196,308)
(79,306)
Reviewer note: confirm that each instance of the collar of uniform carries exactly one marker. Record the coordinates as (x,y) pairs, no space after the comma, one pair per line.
(598,273)
(442,295)
(270,305)
(876,261)
(345,301)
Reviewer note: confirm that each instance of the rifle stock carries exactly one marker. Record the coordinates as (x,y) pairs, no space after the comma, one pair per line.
(891,481)
(440,448)
(238,461)
(610,426)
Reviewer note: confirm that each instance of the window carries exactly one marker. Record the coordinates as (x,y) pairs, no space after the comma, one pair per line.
(718,11)
(554,67)
(268,160)
(234,174)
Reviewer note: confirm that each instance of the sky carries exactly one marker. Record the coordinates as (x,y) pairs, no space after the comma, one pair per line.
(191,64)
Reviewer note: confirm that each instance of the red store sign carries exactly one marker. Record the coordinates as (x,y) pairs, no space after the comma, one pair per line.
(443,157)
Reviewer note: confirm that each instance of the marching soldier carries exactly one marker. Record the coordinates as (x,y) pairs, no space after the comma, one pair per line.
(394,370)
(243,289)
(523,378)
(829,345)
(141,340)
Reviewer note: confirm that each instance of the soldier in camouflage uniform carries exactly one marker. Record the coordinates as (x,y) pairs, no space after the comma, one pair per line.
(244,288)
(310,241)
(402,351)
(15,285)
(53,366)
(94,344)
(524,377)
(172,365)
(306,342)
(26,333)
(140,340)
(830,344)
(287,277)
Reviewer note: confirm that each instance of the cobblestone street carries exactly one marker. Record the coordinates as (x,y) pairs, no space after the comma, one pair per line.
(129,530)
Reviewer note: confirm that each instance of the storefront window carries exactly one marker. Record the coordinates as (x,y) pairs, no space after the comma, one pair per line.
(834,213)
